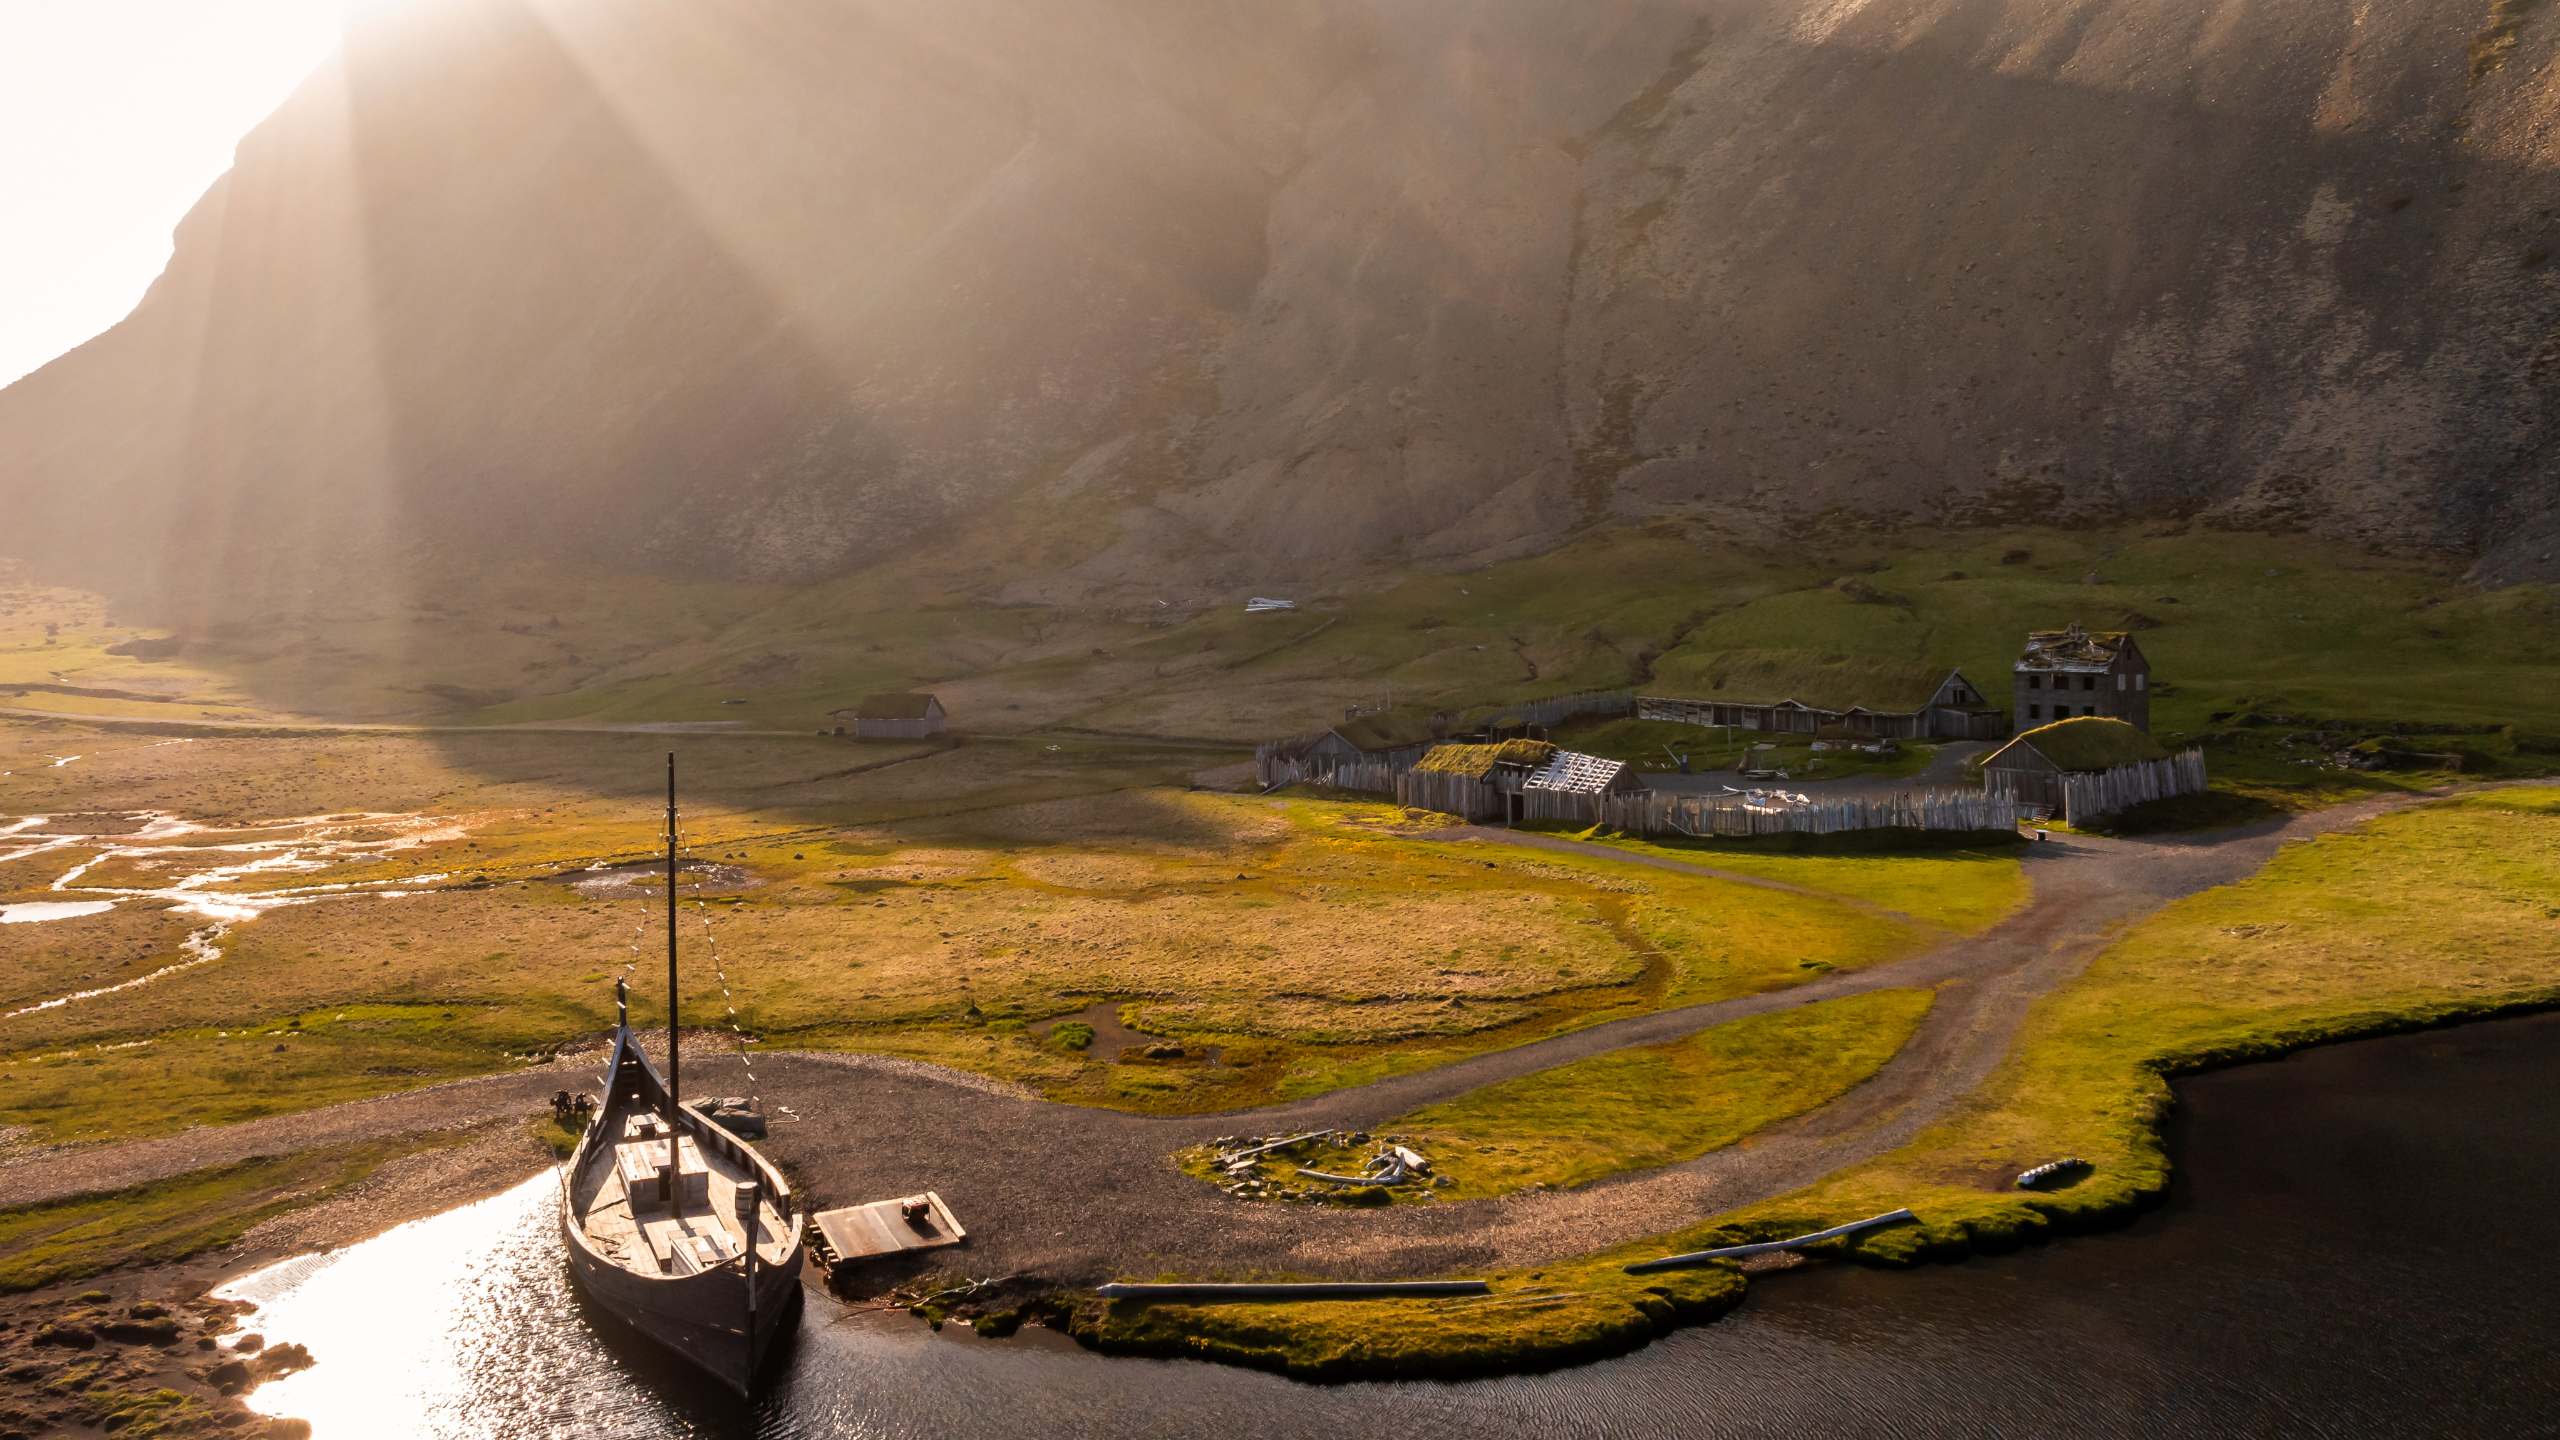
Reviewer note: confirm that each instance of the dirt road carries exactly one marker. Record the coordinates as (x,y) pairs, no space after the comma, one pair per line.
(1075,1195)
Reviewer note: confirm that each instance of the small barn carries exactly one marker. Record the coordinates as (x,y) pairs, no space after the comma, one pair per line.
(894,715)
(2088,765)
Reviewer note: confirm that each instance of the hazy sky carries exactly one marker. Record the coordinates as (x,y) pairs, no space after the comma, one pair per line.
(114,116)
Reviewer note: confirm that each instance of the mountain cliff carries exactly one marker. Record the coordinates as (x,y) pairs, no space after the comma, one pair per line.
(1109,290)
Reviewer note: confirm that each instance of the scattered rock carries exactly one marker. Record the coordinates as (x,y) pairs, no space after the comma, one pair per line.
(66,1335)
(230,1377)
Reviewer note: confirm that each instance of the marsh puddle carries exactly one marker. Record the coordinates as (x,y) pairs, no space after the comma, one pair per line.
(649,877)
(222,875)
(37,911)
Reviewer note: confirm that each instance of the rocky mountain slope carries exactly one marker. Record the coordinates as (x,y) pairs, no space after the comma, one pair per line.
(1188,289)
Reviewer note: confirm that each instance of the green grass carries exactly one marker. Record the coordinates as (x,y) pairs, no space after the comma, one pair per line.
(179,1217)
(1643,1108)
(1310,944)
(2447,912)
(1966,891)
(1584,1310)
(219,1075)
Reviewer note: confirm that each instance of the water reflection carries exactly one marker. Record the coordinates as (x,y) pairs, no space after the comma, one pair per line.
(2327,1272)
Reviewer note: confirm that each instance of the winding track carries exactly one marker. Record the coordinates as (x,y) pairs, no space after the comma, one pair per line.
(1073,1194)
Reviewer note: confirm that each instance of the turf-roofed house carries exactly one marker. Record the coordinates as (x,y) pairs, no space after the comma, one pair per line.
(1516,780)
(2087,766)
(2069,673)
(893,715)
(1795,693)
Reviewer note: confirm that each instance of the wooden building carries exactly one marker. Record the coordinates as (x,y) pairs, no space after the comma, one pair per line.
(896,715)
(1860,697)
(1395,738)
(1514,780)
(2074,673)
(2087,765)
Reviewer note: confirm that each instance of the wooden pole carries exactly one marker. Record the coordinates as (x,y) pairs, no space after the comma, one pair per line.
(675,1143)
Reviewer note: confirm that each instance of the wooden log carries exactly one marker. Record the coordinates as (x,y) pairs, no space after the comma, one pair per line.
(1735,1252)
(1309,1290)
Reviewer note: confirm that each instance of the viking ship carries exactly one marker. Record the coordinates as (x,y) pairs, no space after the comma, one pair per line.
(673,1224)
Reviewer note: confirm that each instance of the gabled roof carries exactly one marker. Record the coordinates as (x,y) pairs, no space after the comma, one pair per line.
(1477,761)
(1389,729)
(1575,773)
(1820,682)
(2086,742)
(2074,649)
(893,705)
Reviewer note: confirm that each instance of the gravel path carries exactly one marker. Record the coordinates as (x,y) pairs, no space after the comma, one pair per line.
(1073,1194)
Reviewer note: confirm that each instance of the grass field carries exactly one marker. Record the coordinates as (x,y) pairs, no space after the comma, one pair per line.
(939,909)
(2438,913)
(2237,625)
(1643,1108)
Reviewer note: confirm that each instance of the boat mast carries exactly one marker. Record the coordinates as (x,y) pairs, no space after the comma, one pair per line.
(675,1153)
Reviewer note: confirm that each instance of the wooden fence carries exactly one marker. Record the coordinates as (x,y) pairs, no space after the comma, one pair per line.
(1563,709)
(1652,812)
(2103,792)
(2085,797)
(1273,768)
(1657,812)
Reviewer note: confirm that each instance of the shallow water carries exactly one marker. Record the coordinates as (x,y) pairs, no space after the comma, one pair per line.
(36,911)
(2356,1247)
(221,884)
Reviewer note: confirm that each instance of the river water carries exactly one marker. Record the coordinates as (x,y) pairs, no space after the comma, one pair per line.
(2358,1245)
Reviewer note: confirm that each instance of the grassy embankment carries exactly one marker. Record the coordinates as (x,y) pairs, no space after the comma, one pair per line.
(1307,945)
(182,1216)
(1634,1109)
(2442,913)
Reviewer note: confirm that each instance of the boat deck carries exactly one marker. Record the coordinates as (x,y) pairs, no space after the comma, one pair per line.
(619,1199)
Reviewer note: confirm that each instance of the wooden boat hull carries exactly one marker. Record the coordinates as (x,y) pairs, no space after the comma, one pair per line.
(727,1319)
(679,1315)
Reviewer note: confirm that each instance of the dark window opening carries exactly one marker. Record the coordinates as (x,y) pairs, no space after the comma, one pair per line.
(2035,712)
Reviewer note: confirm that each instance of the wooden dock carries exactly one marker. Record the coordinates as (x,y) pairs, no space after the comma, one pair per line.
(862,1232)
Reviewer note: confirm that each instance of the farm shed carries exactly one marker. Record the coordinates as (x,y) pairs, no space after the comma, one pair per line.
(2088,766)
(1797,694)
(896,715)
(2074,673)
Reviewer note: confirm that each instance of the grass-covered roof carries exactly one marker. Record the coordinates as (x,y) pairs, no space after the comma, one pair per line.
(1822,681)
(1477,761)
(2087,742)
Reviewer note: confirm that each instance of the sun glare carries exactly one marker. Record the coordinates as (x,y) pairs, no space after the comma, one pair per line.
(114,117)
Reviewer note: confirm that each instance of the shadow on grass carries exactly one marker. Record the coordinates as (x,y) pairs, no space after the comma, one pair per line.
(2212,810)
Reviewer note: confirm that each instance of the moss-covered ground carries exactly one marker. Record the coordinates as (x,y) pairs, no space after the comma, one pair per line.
(182,1216)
